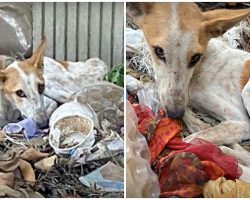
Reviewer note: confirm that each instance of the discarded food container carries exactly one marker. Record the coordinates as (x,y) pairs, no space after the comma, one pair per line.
(99,150)
(70,128)
(22,130)
(29,126)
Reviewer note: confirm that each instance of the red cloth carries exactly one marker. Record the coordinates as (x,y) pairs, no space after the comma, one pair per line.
(142,112)
(166,129)
(146,118)
(207,151)
(182,175)
(213,171)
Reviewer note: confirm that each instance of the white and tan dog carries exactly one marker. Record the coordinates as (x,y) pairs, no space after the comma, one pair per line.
(194,69)
(30,87)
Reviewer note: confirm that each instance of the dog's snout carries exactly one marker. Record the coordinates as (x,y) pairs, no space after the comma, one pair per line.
(41,120)
(176,113)
(42,123)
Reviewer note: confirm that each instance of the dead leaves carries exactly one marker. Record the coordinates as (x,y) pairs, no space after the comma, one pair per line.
(6,191)
(32,154)
(21,160)
(7,179)
(9,165)
(46,163)
(27,171)
(2,136)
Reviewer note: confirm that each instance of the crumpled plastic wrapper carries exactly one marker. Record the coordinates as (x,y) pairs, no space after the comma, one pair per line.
(16,29)
(109,178)
(5,61)
(141,180)
(223,188)
(137,52)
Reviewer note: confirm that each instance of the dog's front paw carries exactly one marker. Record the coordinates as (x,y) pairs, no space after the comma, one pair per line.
(192,136)
(189,138)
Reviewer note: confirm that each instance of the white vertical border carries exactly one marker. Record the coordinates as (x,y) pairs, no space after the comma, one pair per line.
(125,96)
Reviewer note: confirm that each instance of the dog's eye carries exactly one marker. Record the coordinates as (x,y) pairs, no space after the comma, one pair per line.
(195,58)
(20,93)
(41,88)
(160,53)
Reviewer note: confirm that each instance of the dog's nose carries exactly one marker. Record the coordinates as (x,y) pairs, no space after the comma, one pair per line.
(43,123)
(176,114)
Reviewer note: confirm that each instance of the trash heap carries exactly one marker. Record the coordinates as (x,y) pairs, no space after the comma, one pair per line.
(170,167)
(194,169)
(81,154)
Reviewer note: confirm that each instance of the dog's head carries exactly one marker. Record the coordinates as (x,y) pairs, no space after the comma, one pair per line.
(23,84)
(177,35)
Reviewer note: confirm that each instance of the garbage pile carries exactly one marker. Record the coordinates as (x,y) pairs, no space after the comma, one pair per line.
(81,152)
(16,21)
(76,157)
(175,168)
(183,169)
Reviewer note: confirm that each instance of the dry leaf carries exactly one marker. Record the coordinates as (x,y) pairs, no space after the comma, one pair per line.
(9,165)
(46,163)
(2,136)
(32,154)
(27,171)
(7,179)
(6,191)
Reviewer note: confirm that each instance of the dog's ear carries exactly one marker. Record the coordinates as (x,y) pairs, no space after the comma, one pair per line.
(217,22)
(37,58)
(138,10)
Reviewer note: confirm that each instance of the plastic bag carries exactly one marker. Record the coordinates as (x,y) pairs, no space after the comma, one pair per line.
(5,61)
(16,29)
(134,40)
(132,84)
(148,95)
(106,99)
(141,180)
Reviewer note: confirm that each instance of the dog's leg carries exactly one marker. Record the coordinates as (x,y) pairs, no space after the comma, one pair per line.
(193,123)
(227,132)
(243,151)
(245,173)
(240,153)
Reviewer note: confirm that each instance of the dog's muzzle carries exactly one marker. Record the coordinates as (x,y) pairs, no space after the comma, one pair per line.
(176,113)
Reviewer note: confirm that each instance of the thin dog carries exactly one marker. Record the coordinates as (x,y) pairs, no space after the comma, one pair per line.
(29,87)
(195,69)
